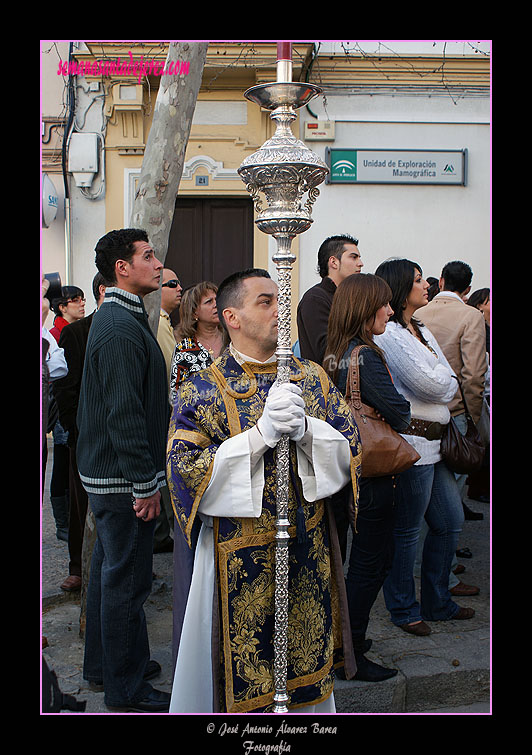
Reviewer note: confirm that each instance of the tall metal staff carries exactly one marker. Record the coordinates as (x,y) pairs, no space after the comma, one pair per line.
(284,170)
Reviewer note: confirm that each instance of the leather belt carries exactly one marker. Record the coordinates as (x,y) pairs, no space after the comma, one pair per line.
(425,429)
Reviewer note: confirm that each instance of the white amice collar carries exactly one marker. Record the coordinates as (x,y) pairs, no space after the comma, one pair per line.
(241,358)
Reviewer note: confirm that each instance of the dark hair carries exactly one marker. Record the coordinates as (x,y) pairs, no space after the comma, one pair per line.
(67,294)
(356,301)
(98,281)
(434,287)
(456,276)
(230,292)
(332,247)
(399,274)
(117,245)
(480,296)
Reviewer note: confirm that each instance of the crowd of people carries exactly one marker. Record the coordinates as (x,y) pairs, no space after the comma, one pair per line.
(170,441)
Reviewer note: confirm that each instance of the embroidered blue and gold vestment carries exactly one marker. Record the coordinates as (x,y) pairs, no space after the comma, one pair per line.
(211,406)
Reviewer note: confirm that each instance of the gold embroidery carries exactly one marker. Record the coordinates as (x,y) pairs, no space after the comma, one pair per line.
(229,403)
(197,438)
(246,605)
(245,547)
(306,623)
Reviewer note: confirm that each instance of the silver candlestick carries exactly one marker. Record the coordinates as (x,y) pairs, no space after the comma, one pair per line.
(284,170)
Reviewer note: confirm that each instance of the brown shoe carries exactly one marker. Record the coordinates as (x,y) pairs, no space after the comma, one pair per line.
(462,589)
(464,613)
(419,628)
(459,569)
(71,583)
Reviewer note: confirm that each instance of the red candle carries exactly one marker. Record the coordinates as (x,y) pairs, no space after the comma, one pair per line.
(284,51)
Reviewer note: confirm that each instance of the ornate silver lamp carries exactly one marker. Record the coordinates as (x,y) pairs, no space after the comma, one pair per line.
(284,170)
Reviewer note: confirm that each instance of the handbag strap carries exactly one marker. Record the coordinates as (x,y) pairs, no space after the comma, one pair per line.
(467,412)
(353,379)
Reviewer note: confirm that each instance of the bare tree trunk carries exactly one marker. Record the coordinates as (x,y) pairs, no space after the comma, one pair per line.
(157,191)
(89,538)
(165,153)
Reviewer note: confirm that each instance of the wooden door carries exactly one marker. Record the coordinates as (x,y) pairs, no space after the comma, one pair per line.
(210,239)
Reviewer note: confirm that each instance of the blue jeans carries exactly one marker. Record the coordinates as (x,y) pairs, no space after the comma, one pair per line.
(116,638)
(461,423)
(430,491)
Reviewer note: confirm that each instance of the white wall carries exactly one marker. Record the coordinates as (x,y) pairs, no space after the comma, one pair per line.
(52,96)
(430,225)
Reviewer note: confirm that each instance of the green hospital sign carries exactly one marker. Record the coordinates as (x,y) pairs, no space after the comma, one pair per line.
(390,166)
(343,166)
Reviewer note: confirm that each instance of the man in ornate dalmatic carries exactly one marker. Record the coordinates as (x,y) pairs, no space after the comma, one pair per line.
(221,464)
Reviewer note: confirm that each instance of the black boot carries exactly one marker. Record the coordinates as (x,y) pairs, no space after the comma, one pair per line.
(368,671)
(471,515)
(363,646)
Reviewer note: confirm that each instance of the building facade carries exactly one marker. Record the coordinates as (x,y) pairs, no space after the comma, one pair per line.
(423,106)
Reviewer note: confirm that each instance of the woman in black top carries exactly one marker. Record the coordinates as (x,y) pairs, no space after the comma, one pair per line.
(360,310)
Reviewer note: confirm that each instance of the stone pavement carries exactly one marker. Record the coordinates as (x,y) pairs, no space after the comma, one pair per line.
(447,672)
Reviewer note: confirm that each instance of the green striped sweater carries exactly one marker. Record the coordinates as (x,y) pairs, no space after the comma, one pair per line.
(123,409)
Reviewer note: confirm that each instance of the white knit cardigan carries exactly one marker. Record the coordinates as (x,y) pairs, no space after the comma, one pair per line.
(424,378)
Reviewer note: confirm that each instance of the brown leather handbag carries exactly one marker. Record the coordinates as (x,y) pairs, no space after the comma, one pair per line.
(462,454)
(384,451)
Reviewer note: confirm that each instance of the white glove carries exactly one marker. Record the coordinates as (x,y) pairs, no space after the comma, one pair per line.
(284,413)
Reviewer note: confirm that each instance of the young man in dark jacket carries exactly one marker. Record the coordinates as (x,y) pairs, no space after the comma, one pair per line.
(123,422)
(338,257)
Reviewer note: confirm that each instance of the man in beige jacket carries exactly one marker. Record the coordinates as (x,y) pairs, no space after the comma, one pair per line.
(461,333)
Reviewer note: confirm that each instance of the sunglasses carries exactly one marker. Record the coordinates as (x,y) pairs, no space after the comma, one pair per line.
(171,284)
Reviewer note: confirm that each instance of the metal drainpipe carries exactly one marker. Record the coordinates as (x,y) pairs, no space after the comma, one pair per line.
(68,126)
(68,244)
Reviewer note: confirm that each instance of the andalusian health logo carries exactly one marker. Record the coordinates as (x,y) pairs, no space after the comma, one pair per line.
(344,167)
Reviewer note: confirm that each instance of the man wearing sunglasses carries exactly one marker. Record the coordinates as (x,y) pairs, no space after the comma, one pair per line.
(170,300)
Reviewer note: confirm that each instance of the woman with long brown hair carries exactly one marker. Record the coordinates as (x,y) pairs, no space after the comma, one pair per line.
(360,310)
(200,336)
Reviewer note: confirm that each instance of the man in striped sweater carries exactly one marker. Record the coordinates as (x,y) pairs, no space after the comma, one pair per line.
(123,422)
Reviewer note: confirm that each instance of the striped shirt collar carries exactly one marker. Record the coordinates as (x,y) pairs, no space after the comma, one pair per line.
(130,301)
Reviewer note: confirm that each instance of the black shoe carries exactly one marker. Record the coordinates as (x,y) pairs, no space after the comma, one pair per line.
(156,701)
(153,669)
(471,515)
(166,547)
(363,648)
(367,671)
(340,673)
